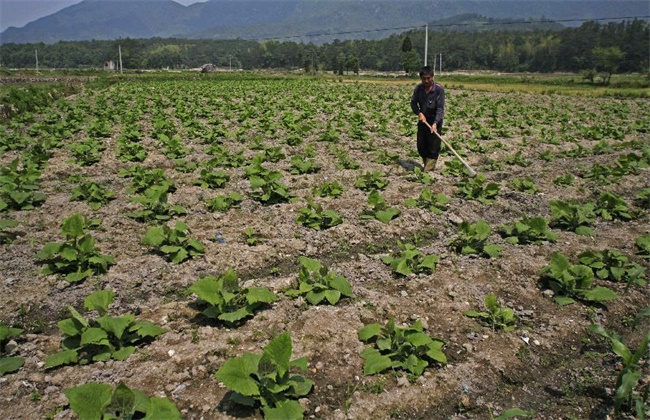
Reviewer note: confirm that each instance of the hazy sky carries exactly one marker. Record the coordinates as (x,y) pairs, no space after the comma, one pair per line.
(19,13)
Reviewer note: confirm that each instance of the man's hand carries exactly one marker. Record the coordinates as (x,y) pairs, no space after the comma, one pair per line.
(422,118)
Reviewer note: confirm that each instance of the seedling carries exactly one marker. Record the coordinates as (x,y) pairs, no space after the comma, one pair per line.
(317,284)
(93,400)
(643,246)
(313,216)
(253,237)
(87,152)
(328,189)
(224,299)
(629,376)
(155,207)
(212,179)
(609,206)
(272,191)
(222,203)
(76,257)
(371,181)
(5,235)
(379,209)
(476,189)
(174,243)
(529,230)
(525,185)
(418,175)
(573,217)
(573,282)
(103,338)
(94,194)
(435,203)
(613,265)
(130,152)
(472,240)
(408,349)
(300,165)
(496,316)
(266,380)
(411,260)
(9,364)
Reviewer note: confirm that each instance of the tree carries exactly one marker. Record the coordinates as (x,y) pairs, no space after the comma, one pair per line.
(406,44)
(607,60)
(411,61)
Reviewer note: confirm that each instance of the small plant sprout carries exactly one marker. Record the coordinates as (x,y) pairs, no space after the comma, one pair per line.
(472,239)
(102,338)
(411,260)
(93,400)
(313,216)
(408,349)
(379,209)
(253,237)
(224,299)
(317,283)
(529,230)
(174,243)
(9,364)
(266,380)
(496,316)
(573,282)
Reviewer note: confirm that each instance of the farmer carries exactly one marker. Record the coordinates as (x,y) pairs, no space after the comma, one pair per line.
(428,103)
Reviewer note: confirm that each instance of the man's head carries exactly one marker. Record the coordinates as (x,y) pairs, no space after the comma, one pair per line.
(426,75)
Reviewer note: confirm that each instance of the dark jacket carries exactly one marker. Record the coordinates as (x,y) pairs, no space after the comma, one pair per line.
(431,104)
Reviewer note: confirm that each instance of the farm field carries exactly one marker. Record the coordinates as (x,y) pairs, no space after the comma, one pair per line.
(150,185)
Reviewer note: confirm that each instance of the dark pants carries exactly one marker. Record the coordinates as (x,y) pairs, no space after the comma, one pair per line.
(428,144)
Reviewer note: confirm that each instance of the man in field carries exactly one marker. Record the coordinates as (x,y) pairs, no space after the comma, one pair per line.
(428,103)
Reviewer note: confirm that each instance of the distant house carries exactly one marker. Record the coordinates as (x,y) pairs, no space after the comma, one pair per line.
(109,65)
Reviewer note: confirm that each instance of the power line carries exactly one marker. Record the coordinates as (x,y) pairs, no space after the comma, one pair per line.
(442,25)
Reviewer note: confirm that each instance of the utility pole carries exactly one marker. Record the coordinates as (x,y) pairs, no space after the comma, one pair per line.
(426,42)
(36,53)
(119,51)
(440,63)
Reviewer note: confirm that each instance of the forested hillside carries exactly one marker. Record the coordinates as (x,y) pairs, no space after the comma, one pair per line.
(611,47)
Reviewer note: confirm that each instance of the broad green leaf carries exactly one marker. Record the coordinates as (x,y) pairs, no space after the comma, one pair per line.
(300,386)
(6,332)
(207,289)
(600,294)
(260,294)
(492,250)
(627,385)
(99,301)
(369,331)
(49,250)
(122,401)
(310,264)
(123,353)
(162,408)
(584,231)
(155,236)
(513,412)
(90,400)
(237,315)
(563,300)
(61,358)
(10,364)
(435,353)
(279,352)
(115,325)
(148,329)
(332,296)
(78,317)
(73,226)
(419,339)
(375,362)
(94,336)
(315,297)
(284,410)
(77,277)
(387,215)
(300,363)
(342,285)
(236,374)
(415,365)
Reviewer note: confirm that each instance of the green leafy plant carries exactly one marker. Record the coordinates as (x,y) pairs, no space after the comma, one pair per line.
(435,203)
(76,257)
(225,202)
(613,265)
(420,176)
(18,184)
(371,181)
(174,243)
(87,152)
(472,239)
(93,400)
(224,299)
(271,190)
(143,179)
(9,364)
(497,316)
(525,185)
(609,206)
(517,159)
(328,189)
(301,165)
(573,217)
(128,151)
(317,283)
(154,206)
(456,168)
(253,237)
(212,179)
(408,349)
(629,376)
(313,216)
(564,180)
(94,194)
(6,236)
(477,189)
(266,380)
(410,260)
(642,199)
(573,282)
(529,230)
(102,338)
(643,246)
(379,209)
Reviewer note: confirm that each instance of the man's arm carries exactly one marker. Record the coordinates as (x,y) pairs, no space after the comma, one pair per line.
(440,106)
(415,105)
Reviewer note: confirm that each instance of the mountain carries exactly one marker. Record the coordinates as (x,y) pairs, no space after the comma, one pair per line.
(299,20)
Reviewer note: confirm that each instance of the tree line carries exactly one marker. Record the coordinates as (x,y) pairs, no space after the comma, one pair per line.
(608,47)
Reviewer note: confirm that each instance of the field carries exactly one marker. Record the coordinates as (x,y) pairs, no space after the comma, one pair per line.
(146,186)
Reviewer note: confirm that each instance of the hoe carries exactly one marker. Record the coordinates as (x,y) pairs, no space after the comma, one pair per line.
(469,168)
